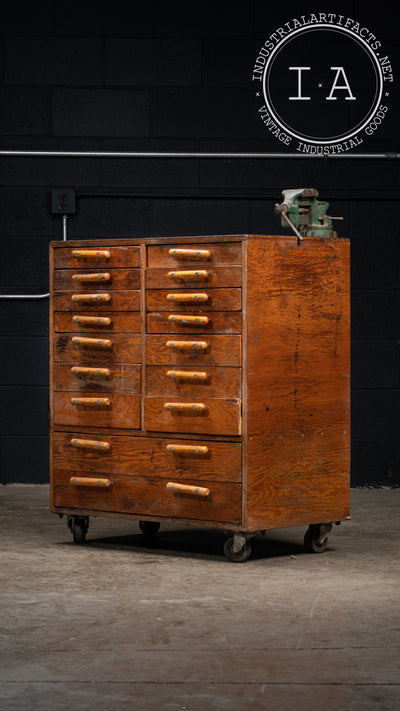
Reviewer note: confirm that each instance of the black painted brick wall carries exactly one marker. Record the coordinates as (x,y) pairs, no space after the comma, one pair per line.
(173,77)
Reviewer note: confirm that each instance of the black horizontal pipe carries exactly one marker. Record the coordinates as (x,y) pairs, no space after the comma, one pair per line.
(223,156)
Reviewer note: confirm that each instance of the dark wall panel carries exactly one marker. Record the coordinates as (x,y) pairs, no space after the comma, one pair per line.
(105,112)
(25,111)
(53,60)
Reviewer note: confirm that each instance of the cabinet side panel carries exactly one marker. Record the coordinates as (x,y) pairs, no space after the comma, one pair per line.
(298,365)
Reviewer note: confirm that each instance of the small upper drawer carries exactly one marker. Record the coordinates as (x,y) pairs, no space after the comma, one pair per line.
(89,279)
(214,322)
(189,350)
(96,378)
(94,257)
(184,381)
(199,299)
(112,300)
(186,255)
(91,348)
(107,322)
(96,409)
(193,415)
(206,276)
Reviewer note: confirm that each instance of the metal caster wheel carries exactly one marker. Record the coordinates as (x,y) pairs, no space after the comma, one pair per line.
(149,528)
(79,528)
(316,538)
(234,555)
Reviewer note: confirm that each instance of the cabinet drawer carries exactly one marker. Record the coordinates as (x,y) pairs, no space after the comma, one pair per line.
(150,497)
(122,378)
(196,255)
(204,276)
(194,415)
(200,299)
(210,350)
(214,322)
(93,301)
(95,256)
(193,382)
(107,322)
(130,456)
(92,280)
(96,409)
(89,348)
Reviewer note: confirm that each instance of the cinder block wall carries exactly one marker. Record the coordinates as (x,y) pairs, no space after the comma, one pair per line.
(173,76)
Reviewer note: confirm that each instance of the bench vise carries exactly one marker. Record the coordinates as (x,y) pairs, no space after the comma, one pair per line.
(305,214)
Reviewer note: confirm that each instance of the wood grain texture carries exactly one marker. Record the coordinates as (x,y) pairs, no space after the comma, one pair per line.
(123,411)
(220,254)
(221,416)
(218,322)
(150,496)
(123,378)
(124,349)
(222,350)
(119,257)
(218,300)
(219,382)
(133,456)
(66,280)
(120,322)
(119,301)
(298,381)
(161,278)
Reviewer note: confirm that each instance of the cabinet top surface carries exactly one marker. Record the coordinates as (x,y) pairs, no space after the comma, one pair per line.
(127,241)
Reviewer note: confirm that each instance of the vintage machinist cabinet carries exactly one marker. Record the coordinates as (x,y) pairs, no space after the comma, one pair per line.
(202,380)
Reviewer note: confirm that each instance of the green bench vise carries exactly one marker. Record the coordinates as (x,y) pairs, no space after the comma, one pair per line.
(305,214)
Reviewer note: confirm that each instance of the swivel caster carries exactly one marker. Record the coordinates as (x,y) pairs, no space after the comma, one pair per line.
(79,528)
(149,528)
(237,549)
(316,537)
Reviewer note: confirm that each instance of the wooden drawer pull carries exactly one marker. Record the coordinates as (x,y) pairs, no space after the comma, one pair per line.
(196,450)
(91,278)
(187,345)
(201,274)
(91,298)
(187,489)
(90,444)
(97,401)
(90,253)
(192,376)
(96,372)
(189,320)
(189,253)
(186,408)
(101,321)
(88,481)
(92,342)
(187,298)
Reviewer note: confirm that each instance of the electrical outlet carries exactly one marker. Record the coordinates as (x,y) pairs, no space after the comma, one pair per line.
(63,201)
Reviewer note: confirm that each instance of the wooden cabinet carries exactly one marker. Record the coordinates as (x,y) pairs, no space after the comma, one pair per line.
(203,380)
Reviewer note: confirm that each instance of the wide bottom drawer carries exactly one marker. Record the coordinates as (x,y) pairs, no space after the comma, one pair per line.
(148,496)
(130,456)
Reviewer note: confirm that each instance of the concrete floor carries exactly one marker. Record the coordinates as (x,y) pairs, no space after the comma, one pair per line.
(119,624)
